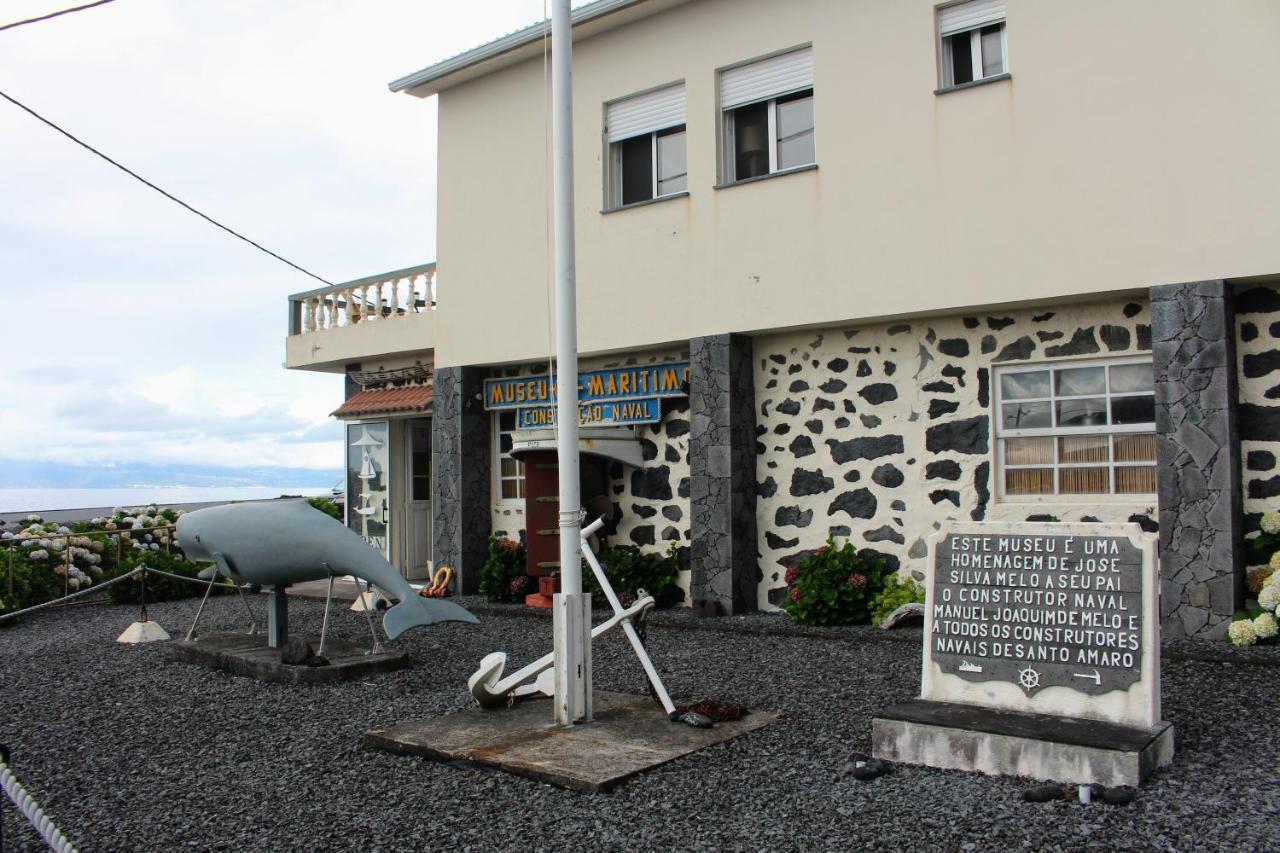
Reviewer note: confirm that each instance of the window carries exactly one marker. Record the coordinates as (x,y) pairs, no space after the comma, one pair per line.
(1079,428)
(973,41)
(646,146)
(508,471)
(768,116)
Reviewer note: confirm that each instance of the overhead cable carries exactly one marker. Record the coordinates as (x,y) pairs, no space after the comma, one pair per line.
(162,192)
(54,15)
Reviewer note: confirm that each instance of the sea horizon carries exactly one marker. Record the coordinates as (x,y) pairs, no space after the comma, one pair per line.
(37,500)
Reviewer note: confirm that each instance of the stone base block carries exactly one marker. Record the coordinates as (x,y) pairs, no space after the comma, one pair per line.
(249,655)
(1040,746)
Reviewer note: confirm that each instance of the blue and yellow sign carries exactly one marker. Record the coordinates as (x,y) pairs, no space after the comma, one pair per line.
(617,396)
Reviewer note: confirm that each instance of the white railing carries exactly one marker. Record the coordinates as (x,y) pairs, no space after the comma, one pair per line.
(376,298)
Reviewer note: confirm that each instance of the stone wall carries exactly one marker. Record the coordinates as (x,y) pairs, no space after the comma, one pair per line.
(1258,358)
(460,474)
(880,433)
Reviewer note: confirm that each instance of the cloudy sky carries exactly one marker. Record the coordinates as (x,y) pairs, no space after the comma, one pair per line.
(134,331)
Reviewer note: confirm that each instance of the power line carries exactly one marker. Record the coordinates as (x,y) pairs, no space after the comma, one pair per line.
(55,14)
(167,195)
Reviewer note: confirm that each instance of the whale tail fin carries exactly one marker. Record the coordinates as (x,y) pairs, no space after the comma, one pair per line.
(416,610)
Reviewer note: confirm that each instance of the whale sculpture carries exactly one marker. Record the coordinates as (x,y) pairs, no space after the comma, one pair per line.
(287,542)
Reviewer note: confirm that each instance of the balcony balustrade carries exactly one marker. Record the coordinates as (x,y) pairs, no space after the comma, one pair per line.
(377,298)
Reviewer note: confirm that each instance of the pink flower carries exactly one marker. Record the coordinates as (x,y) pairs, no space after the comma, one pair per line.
(791,575)
(824,549)
(519,584)
(795,593)
(857,579)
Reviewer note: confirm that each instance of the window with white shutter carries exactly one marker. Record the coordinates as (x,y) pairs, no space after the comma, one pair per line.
(646,139)
(767,110)
(972,42)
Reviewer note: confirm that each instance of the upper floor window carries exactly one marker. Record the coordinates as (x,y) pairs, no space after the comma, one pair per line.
(767,108)
(1077,428)
(647,146)
(973,41)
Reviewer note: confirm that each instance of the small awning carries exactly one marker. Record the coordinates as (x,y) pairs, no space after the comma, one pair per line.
(619,444)
(411,399)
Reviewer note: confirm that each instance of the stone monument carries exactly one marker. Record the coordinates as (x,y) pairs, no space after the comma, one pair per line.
(1041,656)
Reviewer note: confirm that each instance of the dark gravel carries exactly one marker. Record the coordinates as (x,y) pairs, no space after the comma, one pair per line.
(128,750)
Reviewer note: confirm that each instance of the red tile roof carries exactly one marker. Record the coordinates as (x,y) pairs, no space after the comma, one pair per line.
(385,401)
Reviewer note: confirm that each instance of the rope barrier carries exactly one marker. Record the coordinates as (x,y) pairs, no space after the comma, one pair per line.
(31,810)
(92,589)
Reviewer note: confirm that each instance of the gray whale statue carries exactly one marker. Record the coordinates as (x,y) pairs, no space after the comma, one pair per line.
(287,542)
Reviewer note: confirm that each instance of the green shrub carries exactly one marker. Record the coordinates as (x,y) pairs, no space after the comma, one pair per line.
(897,591)
(503,569)
(833,586)
(629,570)
(327,506)
(159,588)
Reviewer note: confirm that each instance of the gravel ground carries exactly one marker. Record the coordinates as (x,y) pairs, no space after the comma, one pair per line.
(128,750)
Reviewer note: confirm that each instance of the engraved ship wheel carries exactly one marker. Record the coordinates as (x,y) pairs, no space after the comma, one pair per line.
(1029,679)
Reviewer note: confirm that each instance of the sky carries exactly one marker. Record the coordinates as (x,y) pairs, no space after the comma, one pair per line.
(133,331)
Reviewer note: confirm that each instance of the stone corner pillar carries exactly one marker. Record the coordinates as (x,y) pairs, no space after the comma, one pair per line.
(1197,457)
(461,516)
(722,477)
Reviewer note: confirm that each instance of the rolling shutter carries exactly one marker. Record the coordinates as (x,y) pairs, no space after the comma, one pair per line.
(768,78)
(646,113)
(969,16)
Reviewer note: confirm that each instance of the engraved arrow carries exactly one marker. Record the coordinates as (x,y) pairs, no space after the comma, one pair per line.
(1097,679)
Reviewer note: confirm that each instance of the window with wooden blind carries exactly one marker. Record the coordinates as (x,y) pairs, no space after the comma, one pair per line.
(972,41)
(1076,429)
(767,112)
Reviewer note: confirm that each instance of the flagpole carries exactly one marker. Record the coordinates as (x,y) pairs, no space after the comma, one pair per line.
(571,610)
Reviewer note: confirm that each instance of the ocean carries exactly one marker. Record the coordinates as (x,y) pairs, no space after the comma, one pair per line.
(39,500)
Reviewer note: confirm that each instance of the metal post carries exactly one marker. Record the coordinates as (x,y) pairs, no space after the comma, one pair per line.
(324,625)
(571,631)
(277,618)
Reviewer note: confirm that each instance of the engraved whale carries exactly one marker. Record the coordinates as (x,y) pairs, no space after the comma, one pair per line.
(287,542)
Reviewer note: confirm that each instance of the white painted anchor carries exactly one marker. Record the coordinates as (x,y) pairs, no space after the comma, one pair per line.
(489,687)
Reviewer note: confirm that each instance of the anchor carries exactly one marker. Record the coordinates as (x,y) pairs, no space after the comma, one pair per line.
(538,678)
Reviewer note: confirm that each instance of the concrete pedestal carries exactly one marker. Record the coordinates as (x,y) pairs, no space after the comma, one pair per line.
(1059,749)
(250,656)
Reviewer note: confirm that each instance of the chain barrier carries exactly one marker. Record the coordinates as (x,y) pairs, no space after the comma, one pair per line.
(30,809)
(86,591)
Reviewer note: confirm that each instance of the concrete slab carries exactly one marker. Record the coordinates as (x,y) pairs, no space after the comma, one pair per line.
(629,735)
(248,655)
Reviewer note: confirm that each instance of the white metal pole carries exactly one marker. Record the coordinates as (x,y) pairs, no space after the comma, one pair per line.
(571,636)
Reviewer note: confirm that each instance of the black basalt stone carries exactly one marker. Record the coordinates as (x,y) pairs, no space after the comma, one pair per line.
(971,322)
(768,488)
(804,482)
(296,652)
(849,406)
(772,383)
(968,435)
(943,469)
(938,408)
(890,368)
(670,534)
(1258,423)
(954,347)
(672,513)
(884,534)
(838,365)
(801,446)
(898,506)
(864,369)
(792,516)
(814,426)
(671,454)
(795,368)
(981,487)
(642,535)
(859,503)
(648,450)
(789,407)
(822,403)
(1132,309)
(833,385)
(841,422)
(1260,460)
(1274,330)
(1255,365)
(1262,489)
(869,421)
(775,542)
(782,429)
(778,359)
(643,511)
(1019,350)
(676,427)
(988,344)
(888,476)
(940,495)
(998,323)
(1083,342)
(797,386)
(1043,318)
(984,387)
(836,530)
(1143,333)
(878,392)
(852,476)
(939,387)
(953,372)
(1115,337)
(899,329)
(1044,336)
(867,447)
(653,483)
(1258,300)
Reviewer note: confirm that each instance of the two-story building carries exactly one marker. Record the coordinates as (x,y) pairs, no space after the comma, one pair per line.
(845,267)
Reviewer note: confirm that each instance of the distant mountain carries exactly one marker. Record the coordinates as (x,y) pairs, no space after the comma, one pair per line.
(15,474)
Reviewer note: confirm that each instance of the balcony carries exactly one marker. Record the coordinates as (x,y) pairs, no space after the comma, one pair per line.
(378,316)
